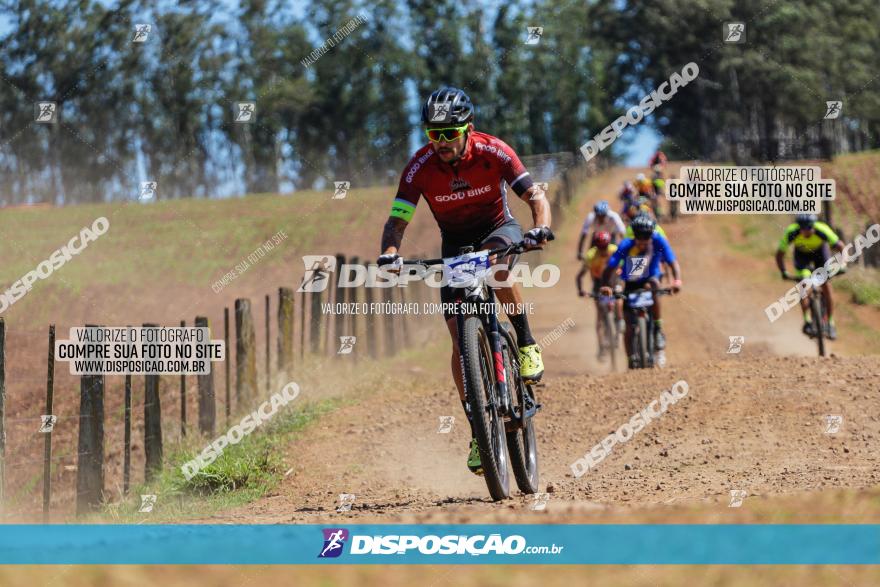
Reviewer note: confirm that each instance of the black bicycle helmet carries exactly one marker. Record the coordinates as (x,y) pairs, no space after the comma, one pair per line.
(643,226)
(806,220)
(448,106)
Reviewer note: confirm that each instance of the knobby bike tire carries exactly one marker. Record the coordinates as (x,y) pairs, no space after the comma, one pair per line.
(816,311)
(478,370)
(521,442)
(642,341)
(610,339)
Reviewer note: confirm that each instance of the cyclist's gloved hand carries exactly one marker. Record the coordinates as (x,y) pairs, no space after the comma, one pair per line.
(389,259)
(784,274)
(538,235)
(581,293)
(676,286)
(605,290)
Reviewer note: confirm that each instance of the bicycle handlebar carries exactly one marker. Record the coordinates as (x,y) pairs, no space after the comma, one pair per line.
(621,295)
(515,249)
(799,279)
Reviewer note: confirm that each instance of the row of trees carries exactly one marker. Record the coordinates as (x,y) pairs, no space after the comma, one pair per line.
(163,109)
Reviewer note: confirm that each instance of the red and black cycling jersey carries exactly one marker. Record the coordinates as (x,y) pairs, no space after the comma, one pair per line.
(468,195)
(659,158)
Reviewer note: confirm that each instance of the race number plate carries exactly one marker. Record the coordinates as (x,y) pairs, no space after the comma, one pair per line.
(467,270)
(640,300)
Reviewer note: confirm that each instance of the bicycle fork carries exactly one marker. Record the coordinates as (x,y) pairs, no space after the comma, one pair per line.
(502,388)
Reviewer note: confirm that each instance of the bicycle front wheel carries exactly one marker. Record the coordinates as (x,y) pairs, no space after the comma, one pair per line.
(479,385)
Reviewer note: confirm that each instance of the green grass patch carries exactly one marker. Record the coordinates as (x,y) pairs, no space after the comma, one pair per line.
(241,474)
(862,285)
(188,242)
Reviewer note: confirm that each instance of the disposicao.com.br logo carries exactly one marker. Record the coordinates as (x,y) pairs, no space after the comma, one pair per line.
(402,544)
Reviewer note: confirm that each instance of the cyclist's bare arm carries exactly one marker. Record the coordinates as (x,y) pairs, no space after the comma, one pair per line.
(580,280)
(581,245)
(676,270)
(780,261)
(537,201)
(392,234)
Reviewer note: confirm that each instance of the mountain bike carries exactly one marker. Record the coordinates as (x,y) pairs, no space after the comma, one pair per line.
(501,405)
(818,315)
(637,308)
(608,338)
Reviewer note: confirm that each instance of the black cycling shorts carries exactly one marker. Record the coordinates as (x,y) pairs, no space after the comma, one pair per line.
(631,286)
(812,260)
(506,234)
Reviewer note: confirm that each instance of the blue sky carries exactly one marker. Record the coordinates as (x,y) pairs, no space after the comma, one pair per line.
(645,142)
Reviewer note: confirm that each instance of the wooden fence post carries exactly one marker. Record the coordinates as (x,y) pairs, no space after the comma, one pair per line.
(126,457)
(339,299)
(227,360)
(315,323)
(47,441)
(207,405)
(90,465)
(303,304)
(268,351)
(2,410)
(183,397)
(388,322)
(871,255)
(370,320)
(152,424)
(405,318)
(245,353)
(353,318)
(285,331)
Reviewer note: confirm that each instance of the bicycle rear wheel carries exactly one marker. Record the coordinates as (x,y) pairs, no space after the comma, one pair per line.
(610,338)
(521,442)
(641,340)
(479,384)
(818,322)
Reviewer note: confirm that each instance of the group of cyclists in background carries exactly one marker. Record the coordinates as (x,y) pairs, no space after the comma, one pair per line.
(461,173)
(628,254)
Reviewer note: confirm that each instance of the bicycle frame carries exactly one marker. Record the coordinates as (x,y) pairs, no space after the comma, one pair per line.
(632,315)
(478,294)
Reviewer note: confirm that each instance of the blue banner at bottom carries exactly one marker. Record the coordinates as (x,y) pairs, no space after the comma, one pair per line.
(653,544)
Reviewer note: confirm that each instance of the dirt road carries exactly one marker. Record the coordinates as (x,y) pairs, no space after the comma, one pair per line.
(754,421)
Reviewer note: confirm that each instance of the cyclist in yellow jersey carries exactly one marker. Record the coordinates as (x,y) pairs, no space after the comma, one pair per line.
(644,186)
(595,262)
(659,230)
(812,241)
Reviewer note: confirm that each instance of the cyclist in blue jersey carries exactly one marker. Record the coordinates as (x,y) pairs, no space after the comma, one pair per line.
(641,259)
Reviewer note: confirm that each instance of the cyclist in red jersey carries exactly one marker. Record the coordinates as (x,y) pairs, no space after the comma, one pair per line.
(461,174)
(659,158)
